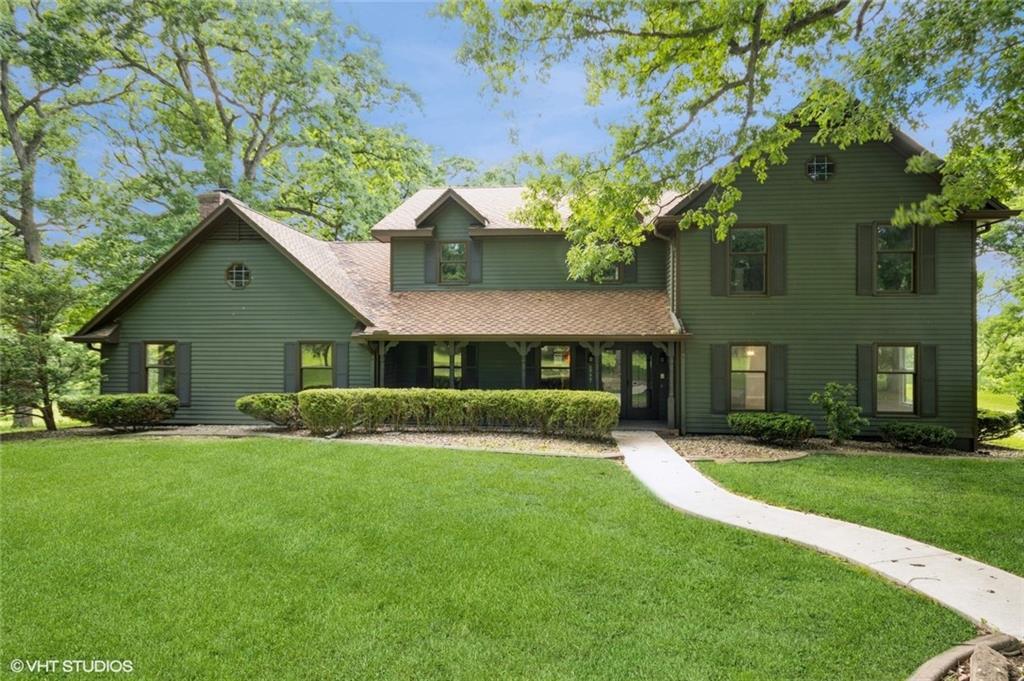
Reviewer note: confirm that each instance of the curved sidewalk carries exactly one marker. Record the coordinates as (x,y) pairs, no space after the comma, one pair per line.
(977,591)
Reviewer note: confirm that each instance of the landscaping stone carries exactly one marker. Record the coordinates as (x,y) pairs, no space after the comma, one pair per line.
(988,665)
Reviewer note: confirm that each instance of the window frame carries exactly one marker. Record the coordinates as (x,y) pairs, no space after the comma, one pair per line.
(228,279)
(146,366)
(541,366)
(618,279)
(913,263)
(302,368)
(766,371)
(764,255)
(829,161)
(913,413)
(441,262)
(454,383)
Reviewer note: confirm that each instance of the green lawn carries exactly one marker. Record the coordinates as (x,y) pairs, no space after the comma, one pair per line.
(263,558)
(1001,402)
(971,506)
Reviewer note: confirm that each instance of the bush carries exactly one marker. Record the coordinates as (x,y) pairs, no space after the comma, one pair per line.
(917,436)
(995,425)
(279,408)
(772,427)
(842,418)
(576,413)
(121,412)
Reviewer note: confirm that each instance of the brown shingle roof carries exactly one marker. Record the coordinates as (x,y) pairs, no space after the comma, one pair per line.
(621,313)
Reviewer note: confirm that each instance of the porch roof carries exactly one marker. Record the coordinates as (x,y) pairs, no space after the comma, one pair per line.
(642,314)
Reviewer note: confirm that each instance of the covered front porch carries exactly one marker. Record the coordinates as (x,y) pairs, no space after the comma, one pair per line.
(640,373)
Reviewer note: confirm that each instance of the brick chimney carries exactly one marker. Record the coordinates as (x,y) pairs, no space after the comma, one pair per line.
(210,201)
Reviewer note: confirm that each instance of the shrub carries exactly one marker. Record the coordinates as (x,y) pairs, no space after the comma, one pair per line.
(278,408)
(772,427)
(995,425)
(842,418)
(917,436)
(121,412)
(575,413)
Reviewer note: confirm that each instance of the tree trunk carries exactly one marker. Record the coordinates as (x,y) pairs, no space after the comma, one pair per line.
(48,418)
(30,233)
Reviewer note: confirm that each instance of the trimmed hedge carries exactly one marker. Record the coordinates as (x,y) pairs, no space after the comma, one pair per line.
(917,436)
(995,425)
(121,412)
(279,408)
(772,427)
(576,413)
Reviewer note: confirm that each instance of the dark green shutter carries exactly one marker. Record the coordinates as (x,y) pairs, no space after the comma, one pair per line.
(430,262)
(719,267)
(720,389)
(424,369)
(778,367)
(533,368)
(136,367)
(866,259)
(629,270)
(578,368)
(291,367)
(866,379)
(476,261)
(927,380)
(777,260)
(341,364)
(926,260)
(183,372)
(470,375)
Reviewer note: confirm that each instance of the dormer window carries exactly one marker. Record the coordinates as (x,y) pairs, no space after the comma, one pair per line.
(454,267)
(821,168)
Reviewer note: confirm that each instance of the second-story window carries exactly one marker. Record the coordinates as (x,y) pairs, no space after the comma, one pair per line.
(895,259)
(454,263)
(748,256)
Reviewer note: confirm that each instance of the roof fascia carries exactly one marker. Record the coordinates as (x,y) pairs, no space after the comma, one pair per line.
(450,194)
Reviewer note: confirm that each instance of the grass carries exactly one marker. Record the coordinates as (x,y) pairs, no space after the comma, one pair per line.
(971,506)
(269,559)
(37,423)
(1001,402)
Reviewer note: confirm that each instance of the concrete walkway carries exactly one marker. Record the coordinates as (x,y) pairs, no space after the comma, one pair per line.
(981,593)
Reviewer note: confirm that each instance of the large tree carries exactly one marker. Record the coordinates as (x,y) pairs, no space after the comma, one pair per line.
(720,88)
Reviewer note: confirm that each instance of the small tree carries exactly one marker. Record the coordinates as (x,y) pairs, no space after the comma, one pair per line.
(842,417)
(37,367)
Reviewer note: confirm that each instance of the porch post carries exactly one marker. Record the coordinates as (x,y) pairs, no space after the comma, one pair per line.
(380,351)
(523,348)
(595,348)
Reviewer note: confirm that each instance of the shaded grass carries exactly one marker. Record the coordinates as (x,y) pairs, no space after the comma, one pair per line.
(1002,402)
(263,558)
(971,506)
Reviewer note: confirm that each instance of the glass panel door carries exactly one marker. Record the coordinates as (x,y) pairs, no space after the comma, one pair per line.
(611,373)
(640,370)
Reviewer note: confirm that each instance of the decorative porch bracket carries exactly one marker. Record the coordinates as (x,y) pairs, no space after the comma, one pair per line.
(669,350)
(523,348)
(380,351)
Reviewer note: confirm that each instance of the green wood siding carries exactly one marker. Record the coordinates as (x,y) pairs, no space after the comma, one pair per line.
(237,336)
(820,318)
(512,262)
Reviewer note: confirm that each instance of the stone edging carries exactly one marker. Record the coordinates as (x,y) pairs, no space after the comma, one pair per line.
(937,667)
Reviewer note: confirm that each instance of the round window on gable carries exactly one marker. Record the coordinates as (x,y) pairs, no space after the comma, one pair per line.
(821,169)
(238,275)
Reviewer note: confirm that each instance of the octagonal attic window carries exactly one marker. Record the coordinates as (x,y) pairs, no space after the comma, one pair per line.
(238,275)
(821,169)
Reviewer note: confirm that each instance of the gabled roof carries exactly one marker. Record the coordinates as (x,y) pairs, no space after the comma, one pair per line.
(325,263)
(450,194)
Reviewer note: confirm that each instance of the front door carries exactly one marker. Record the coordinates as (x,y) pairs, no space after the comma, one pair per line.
(628,371)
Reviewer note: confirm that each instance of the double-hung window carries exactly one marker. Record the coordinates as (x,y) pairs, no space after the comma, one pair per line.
(447,366)
(895,259)
(454,265)
(556,367)
(161,368)
(316,366)
(895,379)
(748,260)
(748,378)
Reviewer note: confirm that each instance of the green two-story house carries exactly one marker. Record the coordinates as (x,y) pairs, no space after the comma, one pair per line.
(811,286)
